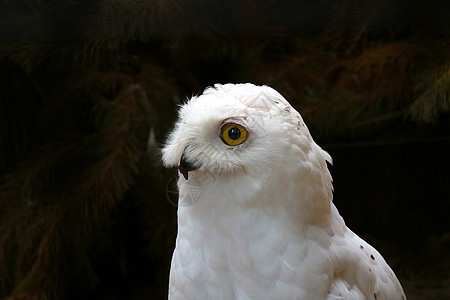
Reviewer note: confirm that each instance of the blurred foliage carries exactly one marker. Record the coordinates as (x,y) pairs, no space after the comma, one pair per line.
(87,86)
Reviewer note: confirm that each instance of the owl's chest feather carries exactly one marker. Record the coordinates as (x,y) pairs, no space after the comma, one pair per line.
(253,255)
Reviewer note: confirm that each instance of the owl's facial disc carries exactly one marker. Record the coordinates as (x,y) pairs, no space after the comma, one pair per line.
(185,166)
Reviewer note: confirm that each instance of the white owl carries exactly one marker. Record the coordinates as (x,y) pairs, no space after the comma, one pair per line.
(256,218)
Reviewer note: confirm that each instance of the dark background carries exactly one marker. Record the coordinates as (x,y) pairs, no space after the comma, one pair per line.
(89,90)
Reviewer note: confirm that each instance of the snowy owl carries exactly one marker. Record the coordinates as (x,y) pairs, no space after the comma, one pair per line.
(256,218)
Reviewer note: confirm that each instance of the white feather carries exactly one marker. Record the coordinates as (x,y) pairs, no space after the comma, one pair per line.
(261,223)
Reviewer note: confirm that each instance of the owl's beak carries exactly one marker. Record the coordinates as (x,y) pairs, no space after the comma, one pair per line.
(185,166)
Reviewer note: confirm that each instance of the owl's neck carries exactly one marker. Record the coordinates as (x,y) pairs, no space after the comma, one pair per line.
(223,201)
(222,233)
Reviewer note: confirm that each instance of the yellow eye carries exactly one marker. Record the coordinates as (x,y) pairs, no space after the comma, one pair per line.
(233,134)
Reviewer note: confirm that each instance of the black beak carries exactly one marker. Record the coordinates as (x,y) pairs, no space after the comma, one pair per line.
(185,166)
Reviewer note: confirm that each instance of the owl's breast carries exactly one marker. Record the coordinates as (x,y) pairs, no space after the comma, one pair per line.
(252,255)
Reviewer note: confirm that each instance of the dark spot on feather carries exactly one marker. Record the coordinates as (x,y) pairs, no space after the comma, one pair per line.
(370,270)
(371,256)
(361,246)
(375,296)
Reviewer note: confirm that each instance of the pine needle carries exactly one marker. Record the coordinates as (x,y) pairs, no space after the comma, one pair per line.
(434,99)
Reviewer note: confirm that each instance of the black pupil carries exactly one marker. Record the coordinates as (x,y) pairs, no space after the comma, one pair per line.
(234,133)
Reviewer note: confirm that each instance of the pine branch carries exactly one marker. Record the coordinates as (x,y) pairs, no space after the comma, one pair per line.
(434,100)
(56,206)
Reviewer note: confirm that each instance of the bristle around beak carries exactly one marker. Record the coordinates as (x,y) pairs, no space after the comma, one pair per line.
(185,166)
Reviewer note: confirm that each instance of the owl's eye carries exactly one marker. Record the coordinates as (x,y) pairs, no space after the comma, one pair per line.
(233,134)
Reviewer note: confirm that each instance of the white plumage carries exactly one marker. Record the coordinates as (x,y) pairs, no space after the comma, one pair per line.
(256,218)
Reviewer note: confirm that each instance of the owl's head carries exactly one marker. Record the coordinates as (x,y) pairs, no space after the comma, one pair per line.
(245,146)
(237,129)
